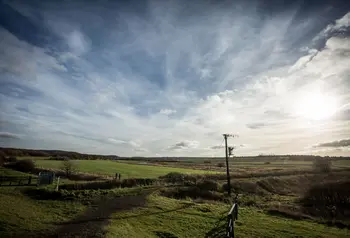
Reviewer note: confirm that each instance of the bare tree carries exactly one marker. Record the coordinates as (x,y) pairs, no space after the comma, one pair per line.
(69,167)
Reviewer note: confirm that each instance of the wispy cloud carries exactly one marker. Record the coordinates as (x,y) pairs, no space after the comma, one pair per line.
(340,143)
(184,145)
(170,78)
(8,135)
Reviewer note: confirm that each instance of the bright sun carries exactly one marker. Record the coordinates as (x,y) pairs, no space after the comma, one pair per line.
(316,106)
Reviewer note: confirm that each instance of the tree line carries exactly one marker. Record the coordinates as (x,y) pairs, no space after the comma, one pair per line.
(53,154)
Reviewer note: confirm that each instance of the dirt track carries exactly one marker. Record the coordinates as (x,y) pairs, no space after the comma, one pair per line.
(94,220)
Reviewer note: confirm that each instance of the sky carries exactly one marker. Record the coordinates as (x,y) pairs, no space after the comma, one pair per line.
(168,78)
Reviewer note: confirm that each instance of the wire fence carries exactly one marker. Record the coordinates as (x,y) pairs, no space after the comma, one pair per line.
(18,181)
(231,218)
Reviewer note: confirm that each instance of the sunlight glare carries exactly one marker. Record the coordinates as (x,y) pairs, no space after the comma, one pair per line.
(317,106)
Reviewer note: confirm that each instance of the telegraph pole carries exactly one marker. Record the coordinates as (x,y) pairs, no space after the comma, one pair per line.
(228,151)
(227,168)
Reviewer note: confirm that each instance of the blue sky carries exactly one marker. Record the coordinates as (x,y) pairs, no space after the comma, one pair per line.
(167,78)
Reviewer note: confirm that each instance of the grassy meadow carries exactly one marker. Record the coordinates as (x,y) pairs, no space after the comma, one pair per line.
(109,168)
(165,217)
(21,216)
(270,203)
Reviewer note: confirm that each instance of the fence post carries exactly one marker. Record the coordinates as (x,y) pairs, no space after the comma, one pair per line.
(58,181)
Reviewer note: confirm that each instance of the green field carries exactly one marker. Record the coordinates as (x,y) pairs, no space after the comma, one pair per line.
(239,165)
(107,167)
(22,216)
(35,214)
(165,217)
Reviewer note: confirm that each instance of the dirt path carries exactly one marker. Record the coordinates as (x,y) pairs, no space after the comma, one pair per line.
(94,220)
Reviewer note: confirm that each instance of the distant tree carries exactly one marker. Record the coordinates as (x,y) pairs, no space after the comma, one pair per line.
(2,155)
(2,158)
(322,165)
(11,159)
(69,167)
(220,165)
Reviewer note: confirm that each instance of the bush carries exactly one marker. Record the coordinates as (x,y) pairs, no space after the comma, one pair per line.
(267,162)
(26,165)
(322,165)
(224,187)
(208,185)
(11,159)
(2,160)
(173,177)
(128,183)
(190,180)
(328,200)
(221,165)
(192,192)
(91,186)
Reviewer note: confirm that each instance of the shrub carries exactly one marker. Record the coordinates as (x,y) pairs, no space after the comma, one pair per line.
(192,192)
(224,187)
(2,160)
(26,165)
(91,186)
(128,183)
(190,180)
(173,177)
(208,185)
(328,200)
(221,165)
(267,162)
(11,159)
(322,165)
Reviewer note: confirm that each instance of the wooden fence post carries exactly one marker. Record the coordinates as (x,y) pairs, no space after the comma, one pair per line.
(58,181)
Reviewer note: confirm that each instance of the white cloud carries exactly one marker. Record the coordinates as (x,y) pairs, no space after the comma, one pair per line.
(77,42)
(167,111)
(23,59)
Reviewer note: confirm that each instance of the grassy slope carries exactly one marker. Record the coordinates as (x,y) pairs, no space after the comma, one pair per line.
(10,172)
(165,216)
(106,167)
(21,216)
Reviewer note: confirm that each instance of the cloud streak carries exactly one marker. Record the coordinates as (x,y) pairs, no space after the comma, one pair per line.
(340,143)
(7,135)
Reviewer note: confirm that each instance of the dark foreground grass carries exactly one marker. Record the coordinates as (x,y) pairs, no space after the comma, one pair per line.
(166,217)
(22,216)
(10,172)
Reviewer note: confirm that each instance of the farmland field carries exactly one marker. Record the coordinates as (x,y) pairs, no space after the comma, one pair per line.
(109,168)
(240,165)
(270,202)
